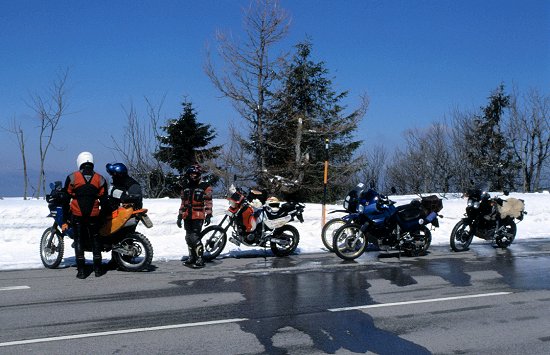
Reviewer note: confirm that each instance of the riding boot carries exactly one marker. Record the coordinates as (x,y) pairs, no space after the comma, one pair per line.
(192,257)
(98,271)
(80,263)
(199,251)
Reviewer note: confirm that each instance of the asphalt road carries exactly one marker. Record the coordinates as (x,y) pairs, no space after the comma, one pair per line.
(483,301)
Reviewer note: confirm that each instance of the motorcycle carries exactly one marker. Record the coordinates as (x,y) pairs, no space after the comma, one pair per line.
(359,195)
(387,227)
(132,251)
(488,218)
(253,227)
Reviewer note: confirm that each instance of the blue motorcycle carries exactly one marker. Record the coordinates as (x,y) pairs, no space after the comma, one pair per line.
(360,195)
(389,227)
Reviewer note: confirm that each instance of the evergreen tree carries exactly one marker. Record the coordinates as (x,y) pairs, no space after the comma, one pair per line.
(306,111)
(489,152)
(186,141)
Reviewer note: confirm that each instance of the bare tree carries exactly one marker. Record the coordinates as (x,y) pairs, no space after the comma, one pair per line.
(529,128)
(426,164)
(137,149)
(18,132)
(374,167)
(233,162)
(249,71)
(50,108)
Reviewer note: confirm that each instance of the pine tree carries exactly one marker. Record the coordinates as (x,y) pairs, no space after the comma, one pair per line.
(186,141)
(307,111)
(489,152)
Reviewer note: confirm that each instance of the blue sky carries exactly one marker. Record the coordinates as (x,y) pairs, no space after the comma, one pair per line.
(416,60)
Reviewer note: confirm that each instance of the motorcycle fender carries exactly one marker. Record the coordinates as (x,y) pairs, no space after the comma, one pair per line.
(435,222)
(146,221)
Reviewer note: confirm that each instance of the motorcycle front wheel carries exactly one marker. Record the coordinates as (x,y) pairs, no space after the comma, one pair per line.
(349,242)
(51,249)
(288,237)
(327,233)
(134,252)
(214,239)
(506,234)
(461,236)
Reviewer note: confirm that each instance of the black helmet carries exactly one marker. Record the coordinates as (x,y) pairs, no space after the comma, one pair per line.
(116,168)
(194,172)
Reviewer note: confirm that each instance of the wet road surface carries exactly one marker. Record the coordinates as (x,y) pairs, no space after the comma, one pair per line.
(485,300)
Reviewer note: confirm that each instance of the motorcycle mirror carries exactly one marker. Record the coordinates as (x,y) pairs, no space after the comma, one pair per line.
(506,192)
(372,184)
(52,185)
(393,190)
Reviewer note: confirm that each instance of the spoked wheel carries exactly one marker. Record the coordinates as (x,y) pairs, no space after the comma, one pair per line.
(51,248)
(461,236)
(424,237)
(288,238)
(327,233)
(134,252)
(214,239)
(506,234)
(349,242)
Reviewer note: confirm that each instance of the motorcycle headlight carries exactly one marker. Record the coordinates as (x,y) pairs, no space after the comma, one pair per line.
(476,204)
(360,208)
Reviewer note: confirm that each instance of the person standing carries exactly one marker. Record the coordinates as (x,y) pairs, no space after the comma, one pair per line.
(87,191)
(195,210)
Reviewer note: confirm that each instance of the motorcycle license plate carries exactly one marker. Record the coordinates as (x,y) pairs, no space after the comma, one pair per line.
(147,221)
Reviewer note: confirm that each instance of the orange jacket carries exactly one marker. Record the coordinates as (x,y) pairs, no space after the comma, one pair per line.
(85,193)
(196,201)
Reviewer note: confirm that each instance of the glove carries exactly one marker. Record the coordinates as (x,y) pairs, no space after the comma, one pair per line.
(207,219)
(64,227)
(178,223)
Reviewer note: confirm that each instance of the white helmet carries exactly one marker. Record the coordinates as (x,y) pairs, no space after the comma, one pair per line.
(84,157)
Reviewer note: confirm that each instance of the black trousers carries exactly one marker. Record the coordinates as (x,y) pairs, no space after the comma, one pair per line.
(193,229)
(86,233)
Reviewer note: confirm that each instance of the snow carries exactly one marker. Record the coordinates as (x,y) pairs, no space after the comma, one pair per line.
(23,222)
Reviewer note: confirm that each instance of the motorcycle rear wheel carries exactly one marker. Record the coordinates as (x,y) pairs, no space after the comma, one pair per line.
(214,239)
(327,233)
(137,252)
(51,255)
(425,234)
(290,235)
(507,235)
(349,242)
(461,236)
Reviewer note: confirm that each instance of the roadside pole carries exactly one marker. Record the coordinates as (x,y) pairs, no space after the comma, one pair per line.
(323,219)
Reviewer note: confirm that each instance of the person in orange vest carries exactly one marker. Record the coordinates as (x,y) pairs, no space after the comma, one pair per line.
(195,210)
(88,197)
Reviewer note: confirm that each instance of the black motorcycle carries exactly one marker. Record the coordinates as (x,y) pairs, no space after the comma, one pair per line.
(261,226)
(132,251)
(489,218)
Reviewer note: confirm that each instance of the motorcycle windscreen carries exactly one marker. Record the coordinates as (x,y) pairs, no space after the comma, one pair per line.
(117,221)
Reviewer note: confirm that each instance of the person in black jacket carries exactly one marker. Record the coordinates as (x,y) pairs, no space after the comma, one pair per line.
(124,188)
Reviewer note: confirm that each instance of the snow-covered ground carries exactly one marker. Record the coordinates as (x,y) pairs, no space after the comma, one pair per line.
(22,223)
